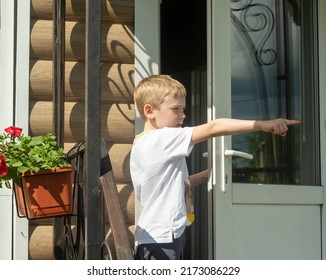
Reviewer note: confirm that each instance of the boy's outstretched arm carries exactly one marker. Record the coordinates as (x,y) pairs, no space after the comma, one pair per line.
(225,126)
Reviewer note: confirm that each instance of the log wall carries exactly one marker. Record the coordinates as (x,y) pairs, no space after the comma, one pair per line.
(117,85)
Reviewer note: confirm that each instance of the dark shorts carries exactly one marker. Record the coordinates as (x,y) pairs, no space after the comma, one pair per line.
(162,251)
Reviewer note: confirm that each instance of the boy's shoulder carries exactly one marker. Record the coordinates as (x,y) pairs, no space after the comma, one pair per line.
(165,131)
(164,136)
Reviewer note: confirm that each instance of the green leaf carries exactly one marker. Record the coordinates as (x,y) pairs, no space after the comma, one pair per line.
(37,140)
(17,164)
(22,169)
(8,186)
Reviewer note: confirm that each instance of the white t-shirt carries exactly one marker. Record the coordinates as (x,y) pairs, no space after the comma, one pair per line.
(159,173)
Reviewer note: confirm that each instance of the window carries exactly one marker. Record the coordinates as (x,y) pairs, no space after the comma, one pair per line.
(274,75)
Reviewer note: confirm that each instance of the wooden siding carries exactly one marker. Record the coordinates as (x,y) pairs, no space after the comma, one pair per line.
(117,85)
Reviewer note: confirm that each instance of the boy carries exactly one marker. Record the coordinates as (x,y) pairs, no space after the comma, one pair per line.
(158,167)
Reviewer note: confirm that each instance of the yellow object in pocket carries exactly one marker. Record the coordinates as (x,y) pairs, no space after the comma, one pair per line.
(191,217)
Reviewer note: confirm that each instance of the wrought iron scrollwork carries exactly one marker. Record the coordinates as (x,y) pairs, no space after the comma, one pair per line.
(75,233)
(106,251)
(259,19)
(70,251)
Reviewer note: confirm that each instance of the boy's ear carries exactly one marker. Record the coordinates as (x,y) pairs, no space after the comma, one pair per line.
(148,111)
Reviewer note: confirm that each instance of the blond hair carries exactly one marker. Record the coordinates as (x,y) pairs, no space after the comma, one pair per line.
(153,89)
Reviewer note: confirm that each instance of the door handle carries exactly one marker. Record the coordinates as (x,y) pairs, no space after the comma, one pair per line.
(228,153)
(232,153)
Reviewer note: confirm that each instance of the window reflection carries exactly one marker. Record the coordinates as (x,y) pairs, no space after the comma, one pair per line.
(266,83)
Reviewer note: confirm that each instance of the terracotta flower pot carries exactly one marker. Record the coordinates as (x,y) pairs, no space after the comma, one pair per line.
(45,194)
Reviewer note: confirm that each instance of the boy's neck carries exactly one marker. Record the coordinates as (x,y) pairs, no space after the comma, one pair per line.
(149,126)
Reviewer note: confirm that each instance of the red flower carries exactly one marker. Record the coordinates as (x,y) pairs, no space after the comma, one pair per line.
(14,131)
(3,167)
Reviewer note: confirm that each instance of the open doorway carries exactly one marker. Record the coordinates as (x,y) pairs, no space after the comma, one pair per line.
(184,56)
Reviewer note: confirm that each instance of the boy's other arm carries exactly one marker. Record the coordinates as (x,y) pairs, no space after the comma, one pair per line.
(198,178)
(225,126)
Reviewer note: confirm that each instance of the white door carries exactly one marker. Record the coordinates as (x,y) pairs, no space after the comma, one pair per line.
(262,65)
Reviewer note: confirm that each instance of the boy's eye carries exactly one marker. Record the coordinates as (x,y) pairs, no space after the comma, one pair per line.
(178,110)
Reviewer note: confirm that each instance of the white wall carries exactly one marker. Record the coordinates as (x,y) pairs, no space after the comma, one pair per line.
(14,91)
(147,43)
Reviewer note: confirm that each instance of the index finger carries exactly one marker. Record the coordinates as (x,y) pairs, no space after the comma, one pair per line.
(290,122)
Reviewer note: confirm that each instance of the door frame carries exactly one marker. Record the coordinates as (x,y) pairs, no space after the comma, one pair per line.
(322,98)
(147,52)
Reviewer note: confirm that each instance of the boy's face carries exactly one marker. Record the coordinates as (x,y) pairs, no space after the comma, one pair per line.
(171,112)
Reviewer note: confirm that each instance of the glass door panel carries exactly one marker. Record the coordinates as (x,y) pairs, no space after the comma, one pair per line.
(269,79)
